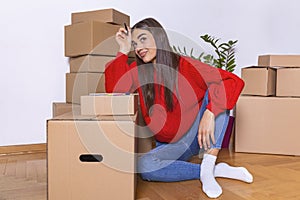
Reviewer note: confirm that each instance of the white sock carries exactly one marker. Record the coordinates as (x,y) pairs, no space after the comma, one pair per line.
(238,173)
(209,184)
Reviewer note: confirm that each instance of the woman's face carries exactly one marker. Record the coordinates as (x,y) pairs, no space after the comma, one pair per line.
(144,45)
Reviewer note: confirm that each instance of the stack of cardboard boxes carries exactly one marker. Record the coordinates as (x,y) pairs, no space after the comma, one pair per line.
(268,112)
(92,150)
(90,44)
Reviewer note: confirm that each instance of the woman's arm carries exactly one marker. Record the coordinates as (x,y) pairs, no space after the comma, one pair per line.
(224,87)
(119,76)
(224,93)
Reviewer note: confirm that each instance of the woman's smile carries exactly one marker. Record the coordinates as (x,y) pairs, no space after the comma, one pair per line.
(142,53)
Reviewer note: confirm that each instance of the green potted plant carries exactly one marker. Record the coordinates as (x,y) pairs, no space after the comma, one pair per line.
(224,59)
(225,53)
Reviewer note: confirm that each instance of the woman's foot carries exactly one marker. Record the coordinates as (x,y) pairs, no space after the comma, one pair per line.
(238,173)
(209,184)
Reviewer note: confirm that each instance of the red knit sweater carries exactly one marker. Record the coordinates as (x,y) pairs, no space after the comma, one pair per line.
(194,79)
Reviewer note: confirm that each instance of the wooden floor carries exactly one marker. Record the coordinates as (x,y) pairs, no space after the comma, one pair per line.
(23,177)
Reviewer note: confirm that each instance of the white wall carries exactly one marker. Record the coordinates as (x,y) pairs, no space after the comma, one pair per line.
(33,65)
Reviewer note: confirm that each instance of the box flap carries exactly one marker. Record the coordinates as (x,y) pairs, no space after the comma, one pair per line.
(252,67)
(260,67)
(75,115)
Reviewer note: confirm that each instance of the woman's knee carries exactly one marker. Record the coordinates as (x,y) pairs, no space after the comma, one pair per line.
(146,165)
(222,119)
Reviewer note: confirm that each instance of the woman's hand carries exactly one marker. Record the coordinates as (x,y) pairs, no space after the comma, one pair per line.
(206,130)
(123,38)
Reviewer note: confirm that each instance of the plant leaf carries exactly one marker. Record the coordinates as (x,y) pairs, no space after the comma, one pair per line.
(179,50)
(191,53)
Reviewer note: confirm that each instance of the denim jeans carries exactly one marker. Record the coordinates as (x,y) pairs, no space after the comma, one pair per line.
(168,162)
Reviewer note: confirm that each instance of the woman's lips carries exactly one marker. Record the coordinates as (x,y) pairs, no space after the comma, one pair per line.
(142,53)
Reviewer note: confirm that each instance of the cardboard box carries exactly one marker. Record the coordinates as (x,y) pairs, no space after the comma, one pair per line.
(87,156)
(279,60)
(91,38)
(80,84)
(267,125)
(106,15)
(109,104)
(91,63)
(59,108)
(288,82)
(259,81)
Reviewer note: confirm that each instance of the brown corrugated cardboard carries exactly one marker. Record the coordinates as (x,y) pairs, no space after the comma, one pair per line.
(72,140)
(91,63)
(109,104)
(279,60)
(106,15)
(91,38)
(288,82)
(259,81)
(59,108)
(79,84)
(267,125)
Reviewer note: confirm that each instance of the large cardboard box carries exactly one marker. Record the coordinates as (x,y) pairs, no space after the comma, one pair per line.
(267,125)
(106,15)
(279,60)
(109,104)
(80,84)
(288,82)
(91,157)
(59,108)
(259,81)
(92,63)
(91,38)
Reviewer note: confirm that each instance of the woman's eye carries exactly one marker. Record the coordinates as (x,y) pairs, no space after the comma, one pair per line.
(142,39)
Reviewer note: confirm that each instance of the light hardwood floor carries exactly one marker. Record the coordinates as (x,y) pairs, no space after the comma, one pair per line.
(23,177)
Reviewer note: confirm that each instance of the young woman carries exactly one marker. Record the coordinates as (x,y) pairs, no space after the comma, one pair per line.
(184,102)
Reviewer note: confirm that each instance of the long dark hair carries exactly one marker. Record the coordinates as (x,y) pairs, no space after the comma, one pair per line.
(166,65)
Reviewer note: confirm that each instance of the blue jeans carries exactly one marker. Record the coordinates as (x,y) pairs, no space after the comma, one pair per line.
(168,162)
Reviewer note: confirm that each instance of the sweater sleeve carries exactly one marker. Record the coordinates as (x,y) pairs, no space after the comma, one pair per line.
(119,76)
(224,87)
